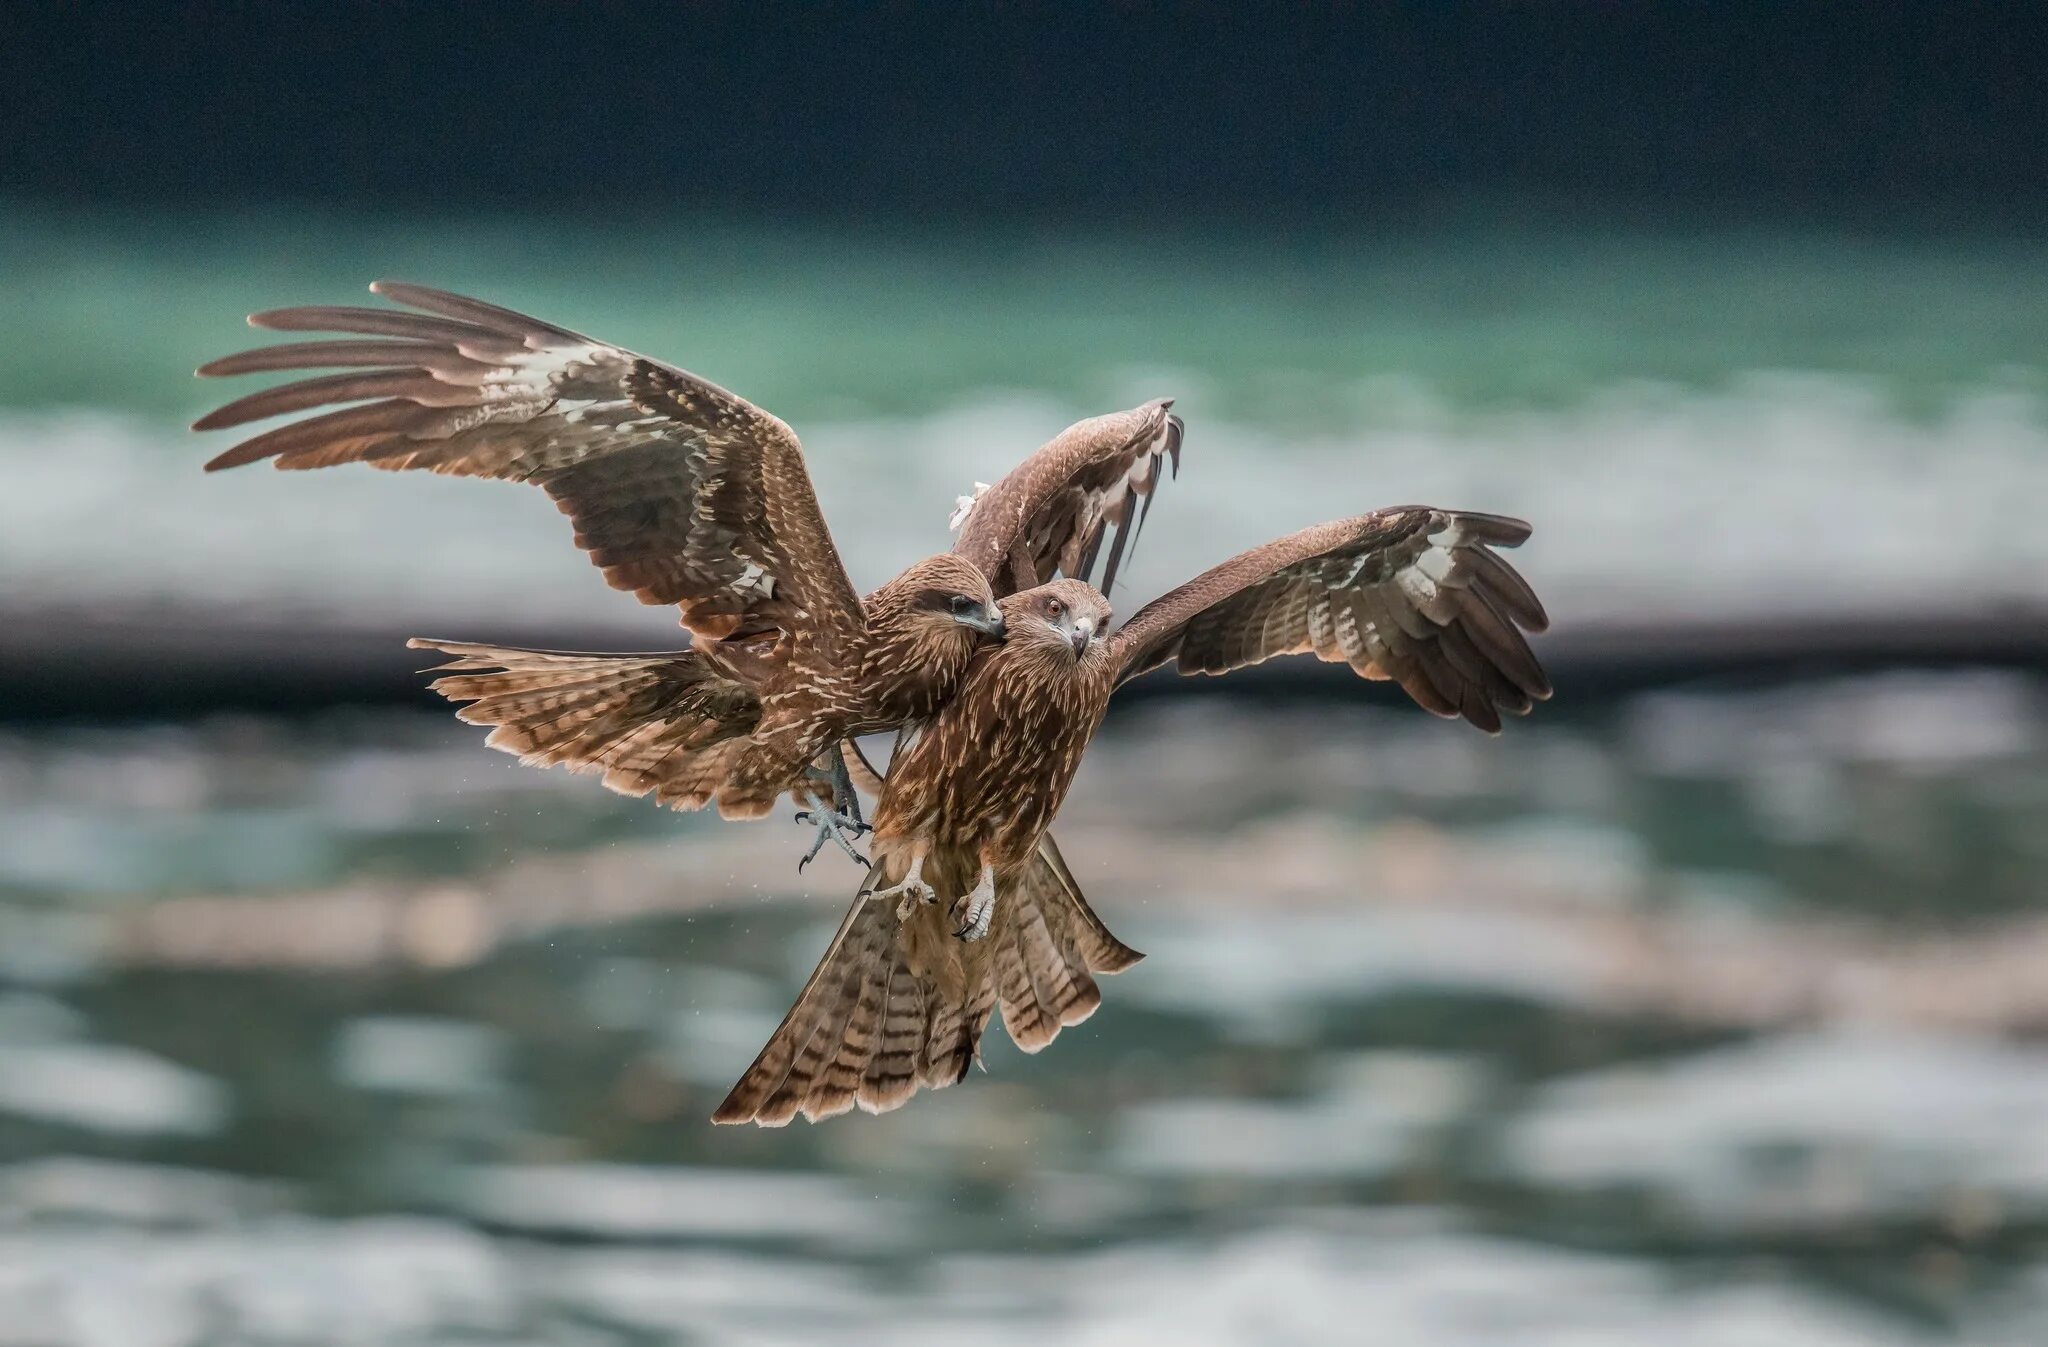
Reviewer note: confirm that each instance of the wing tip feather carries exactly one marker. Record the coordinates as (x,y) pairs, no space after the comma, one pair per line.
(237,457)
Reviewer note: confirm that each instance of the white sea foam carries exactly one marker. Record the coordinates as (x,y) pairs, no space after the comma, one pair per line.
(1781,494)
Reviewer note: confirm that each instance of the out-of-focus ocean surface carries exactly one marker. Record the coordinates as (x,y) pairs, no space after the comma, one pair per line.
(1705,417)
(1711,1014)
(1707,1017)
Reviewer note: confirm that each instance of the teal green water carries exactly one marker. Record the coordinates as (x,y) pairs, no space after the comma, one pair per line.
(1289,327)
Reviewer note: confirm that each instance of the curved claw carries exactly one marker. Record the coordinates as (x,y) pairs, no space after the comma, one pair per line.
(842,819)
(974,911)
(834,826)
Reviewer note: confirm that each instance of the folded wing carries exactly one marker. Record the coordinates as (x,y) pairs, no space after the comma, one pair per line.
(680,491)
(1413,594)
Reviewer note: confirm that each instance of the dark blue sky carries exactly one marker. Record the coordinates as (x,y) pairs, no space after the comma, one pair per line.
(976,108)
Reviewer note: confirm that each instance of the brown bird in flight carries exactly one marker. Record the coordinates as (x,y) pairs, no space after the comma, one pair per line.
(952,920)
(689,495)
(995,674)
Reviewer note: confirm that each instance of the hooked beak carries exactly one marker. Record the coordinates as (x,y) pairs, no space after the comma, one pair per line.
(988,621)
(1080,634)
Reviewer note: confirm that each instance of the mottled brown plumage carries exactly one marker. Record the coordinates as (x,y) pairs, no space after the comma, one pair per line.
(681,492)
(952,824)
(1023,716)
(898,1004)
(666,724)
(1414,594)
(914,649)
(688,495)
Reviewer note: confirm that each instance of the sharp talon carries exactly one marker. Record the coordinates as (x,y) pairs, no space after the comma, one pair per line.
(974,911)
(834,825)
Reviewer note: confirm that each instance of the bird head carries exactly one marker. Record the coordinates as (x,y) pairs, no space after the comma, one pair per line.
(1069,616)
(950,593)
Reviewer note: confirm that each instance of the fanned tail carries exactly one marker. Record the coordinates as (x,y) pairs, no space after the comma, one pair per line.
(895,1006)
(666,723)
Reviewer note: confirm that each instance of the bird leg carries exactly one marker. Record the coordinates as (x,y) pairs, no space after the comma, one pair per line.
(842,819)
(975,909)
(911,889)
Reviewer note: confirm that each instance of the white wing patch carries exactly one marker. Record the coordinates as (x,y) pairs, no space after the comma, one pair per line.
(1420,579)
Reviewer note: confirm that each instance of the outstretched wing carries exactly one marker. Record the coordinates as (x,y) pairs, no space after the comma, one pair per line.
(1412,594)
(682,492)
(1052,513)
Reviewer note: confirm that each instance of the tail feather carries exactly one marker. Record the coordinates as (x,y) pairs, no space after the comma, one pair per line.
(1043,972)
(1103,952)
(668,723)
(896,1006)
(851,1037)
(898,1067)
(953,1038)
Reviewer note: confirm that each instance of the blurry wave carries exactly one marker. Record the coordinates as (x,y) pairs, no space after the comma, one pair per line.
(1783,494)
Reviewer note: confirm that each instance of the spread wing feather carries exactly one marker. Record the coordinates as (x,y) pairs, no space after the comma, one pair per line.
(1053,512)
(1413,594)
(680,491)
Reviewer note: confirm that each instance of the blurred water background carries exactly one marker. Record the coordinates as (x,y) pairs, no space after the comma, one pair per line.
(1707,1012)
(1706,418)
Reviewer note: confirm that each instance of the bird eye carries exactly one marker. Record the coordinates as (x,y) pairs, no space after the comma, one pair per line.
(960,603)
(1053,608)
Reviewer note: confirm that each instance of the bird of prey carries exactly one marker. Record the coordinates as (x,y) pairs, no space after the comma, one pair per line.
(951,921)
(685,494)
